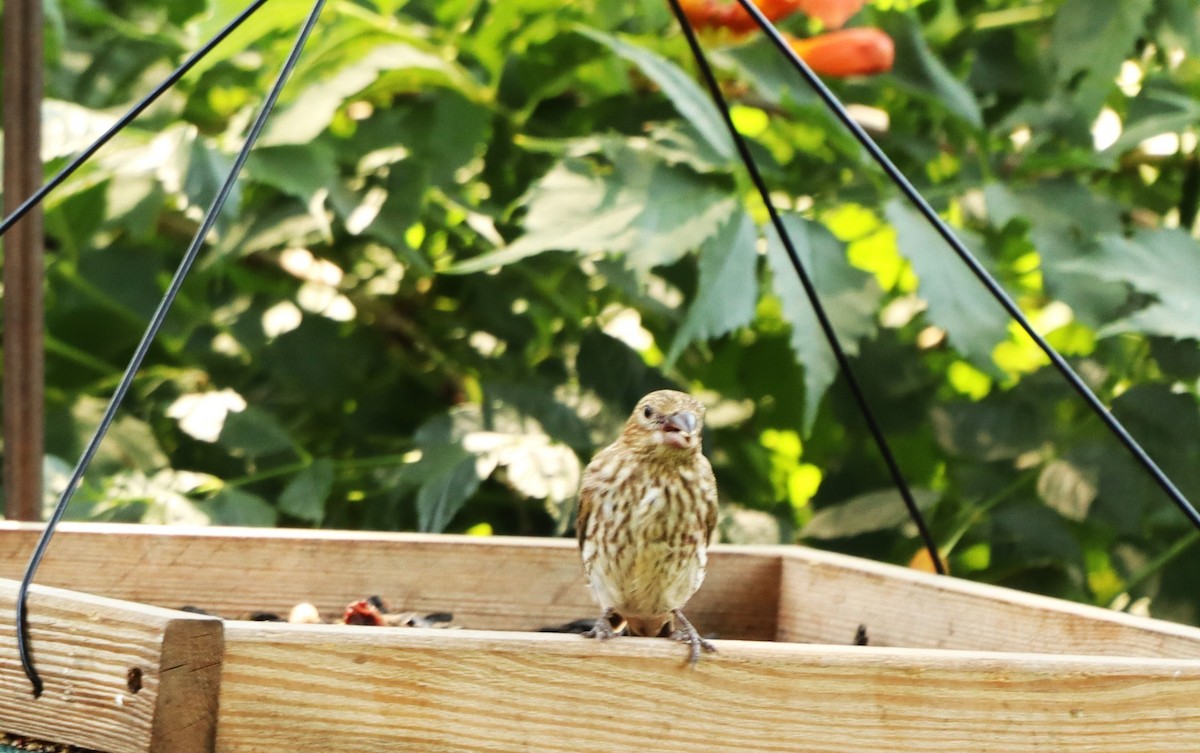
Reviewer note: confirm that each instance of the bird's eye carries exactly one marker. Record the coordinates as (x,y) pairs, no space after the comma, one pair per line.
(648,412)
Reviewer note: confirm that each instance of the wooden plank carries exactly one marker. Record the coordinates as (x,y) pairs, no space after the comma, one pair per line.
(23,359)
(756,593)
(826,596)
(336,688)
(493,583)
(119,677)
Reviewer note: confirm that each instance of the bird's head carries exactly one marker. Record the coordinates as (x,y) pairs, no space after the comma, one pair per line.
(667,420)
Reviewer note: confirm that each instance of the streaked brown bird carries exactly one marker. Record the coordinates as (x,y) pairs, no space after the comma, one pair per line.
(647,508)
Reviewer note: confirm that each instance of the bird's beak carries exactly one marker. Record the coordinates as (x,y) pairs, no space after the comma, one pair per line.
(683,422)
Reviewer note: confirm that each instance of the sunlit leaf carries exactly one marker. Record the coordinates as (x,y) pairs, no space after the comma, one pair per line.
(728,286)
(130,442)
(312,112)
(689,99)
(649,210)
(958,303)
(1163,264)
(849,296)
(873,511)
(1067,489)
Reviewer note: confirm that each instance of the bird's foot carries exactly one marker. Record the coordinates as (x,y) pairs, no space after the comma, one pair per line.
(604,628)
(685,633)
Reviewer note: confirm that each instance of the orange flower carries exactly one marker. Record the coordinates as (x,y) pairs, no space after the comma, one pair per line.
(833,13)
(923,562)
(849,52)
(728,14)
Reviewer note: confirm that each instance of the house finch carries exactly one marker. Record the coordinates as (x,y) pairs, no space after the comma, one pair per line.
(647,506)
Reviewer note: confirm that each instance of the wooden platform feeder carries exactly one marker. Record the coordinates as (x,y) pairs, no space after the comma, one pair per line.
(951,665)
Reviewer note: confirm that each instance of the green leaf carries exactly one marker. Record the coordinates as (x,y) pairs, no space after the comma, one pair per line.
(1000,428)
(254,432)
(447,478)
(728,287)
(305,172)
(1178,21)
(1064,216)
(1090,46)
(70,128)
(264,23)
(130,442)
(446,474)
(958,303)
(536,400)
(874,511)
(207,170)
(615,371)
(544,69)
(921,70)
(1167,425)
(687,96)
(1157,109)
(179,12)
(233,507)
(305,495)
(849,295)
(296,170)
(313,111)
(1032,535)
(649,210)
(1164,264)
(771,75)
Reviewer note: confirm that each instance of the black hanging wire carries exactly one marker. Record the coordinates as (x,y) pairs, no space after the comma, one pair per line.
(984,277)
(143,347)
(127,118)
(810,289)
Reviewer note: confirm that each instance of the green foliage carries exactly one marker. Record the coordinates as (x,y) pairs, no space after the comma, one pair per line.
(475,232)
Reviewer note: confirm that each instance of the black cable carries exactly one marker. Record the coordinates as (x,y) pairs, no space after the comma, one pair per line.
(127,118)
(143,347)
(993,287)
(811,290)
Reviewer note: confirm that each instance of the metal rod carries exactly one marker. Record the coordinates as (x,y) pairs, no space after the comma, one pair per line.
(156,322)
(810,289)
(35,197)
(24,360)
(984,277)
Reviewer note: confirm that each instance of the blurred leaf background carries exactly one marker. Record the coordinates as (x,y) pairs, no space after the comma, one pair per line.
(476,231)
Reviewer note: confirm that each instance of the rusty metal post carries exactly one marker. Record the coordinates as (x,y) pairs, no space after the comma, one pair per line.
(23,377)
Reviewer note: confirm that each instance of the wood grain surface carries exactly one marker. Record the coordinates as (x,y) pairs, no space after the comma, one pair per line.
(826,596)
(495,583)
(119,677)
(935,678)
(335,688)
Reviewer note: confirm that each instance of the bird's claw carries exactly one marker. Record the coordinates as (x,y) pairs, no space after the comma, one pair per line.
(685,633)
(603,629)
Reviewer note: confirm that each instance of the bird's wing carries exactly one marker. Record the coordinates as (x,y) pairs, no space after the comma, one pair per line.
(586,496)
(708,491)
(588,490)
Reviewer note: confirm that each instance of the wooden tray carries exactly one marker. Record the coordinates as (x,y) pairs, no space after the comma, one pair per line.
(951,665)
